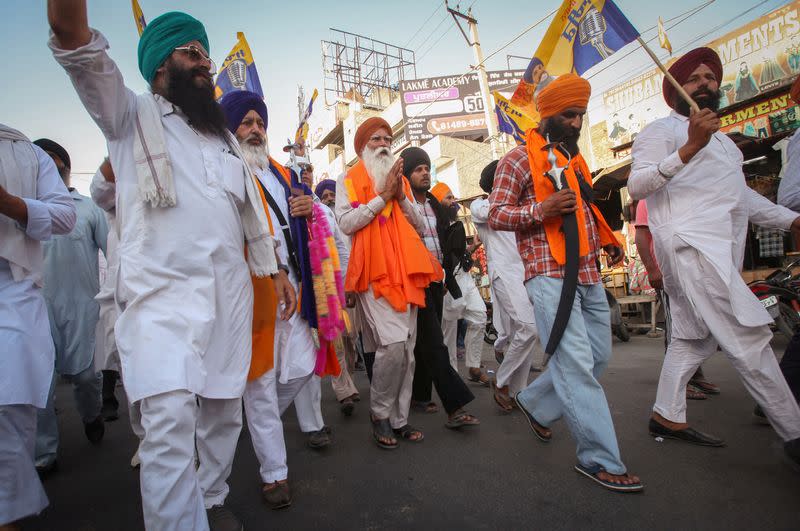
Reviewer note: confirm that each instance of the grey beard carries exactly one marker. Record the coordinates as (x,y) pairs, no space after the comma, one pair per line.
(378,166)
(257,157)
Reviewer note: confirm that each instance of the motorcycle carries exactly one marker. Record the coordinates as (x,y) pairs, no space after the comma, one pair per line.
(780,296)
(618,326)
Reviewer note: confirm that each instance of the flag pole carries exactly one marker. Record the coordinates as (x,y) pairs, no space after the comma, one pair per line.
(672,80)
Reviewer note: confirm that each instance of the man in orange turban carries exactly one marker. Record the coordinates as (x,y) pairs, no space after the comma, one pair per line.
(388,271)
(538,198)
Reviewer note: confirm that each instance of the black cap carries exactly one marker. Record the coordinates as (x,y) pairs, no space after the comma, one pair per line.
(487,177)
(413,157)
(54,148)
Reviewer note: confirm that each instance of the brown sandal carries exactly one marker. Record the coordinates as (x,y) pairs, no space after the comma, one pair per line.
(501,399)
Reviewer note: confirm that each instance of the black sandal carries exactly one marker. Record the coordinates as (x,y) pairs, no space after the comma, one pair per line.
(410,434)
(381,429)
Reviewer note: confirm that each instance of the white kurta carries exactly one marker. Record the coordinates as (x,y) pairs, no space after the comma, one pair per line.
(703,209)
(106,356)
(503,260)
(26,365)
(183,285)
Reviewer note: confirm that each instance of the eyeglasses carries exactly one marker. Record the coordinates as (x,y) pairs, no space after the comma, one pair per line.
(378,138)
(198,54)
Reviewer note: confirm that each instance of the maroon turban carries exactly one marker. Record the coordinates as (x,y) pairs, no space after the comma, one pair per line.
(366,130)
(683,68)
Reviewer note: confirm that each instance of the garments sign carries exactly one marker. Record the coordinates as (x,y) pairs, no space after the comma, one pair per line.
(431,106)
(756,58)
(764,118)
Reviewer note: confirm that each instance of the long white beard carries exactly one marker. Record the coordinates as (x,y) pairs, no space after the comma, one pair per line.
(378,162)
(257,157)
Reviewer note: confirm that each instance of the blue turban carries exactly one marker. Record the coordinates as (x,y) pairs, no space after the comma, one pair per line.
(325,184)
(162,35)
(238,103)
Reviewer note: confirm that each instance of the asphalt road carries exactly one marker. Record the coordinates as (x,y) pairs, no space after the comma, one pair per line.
(495,476)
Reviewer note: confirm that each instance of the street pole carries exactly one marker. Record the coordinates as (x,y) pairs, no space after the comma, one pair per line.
(483,79)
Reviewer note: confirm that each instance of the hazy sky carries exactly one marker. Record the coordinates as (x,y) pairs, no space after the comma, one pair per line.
(285,40)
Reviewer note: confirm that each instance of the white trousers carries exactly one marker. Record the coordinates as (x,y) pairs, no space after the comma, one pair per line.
(522,338)
(175,494)
(21,492)
(308,405)
(392,380)
(473,340)
(748,350)
(265,400)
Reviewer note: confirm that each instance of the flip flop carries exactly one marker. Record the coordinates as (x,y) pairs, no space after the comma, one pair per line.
(592,473)
(382,429)
(461,420)
(542,433)
(504,402)
(478,379)
(694,393)
(407,433)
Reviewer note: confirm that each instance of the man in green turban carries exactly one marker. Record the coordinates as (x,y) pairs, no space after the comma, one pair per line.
(192,230)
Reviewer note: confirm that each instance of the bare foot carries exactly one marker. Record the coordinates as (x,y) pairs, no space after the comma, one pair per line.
(624,479)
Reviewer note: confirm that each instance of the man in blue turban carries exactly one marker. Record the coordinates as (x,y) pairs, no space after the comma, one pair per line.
(326,191)
(193,231)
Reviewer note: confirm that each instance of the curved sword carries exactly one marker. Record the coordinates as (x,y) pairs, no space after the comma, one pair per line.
(569,226)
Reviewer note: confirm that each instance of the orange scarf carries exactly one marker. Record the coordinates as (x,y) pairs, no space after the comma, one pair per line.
(543,188)
(265,312)
(388,254)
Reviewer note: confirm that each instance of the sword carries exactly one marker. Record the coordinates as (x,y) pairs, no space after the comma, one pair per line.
(569,226)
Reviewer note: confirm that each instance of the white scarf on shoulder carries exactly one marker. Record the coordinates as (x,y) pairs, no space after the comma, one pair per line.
(157,187)
(19,173)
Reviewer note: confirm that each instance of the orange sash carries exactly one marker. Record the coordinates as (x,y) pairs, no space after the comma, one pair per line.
(543,188)
(388,254)
(265,312)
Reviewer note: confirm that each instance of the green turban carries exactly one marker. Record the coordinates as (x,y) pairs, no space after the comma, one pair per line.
(162,35)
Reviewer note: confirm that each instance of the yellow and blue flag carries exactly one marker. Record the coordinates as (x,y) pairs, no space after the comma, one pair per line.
(138,16)
(238,71)
(583,33)
(301,135)
(510,120)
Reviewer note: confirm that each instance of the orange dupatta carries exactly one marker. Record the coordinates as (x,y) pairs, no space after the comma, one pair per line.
(543,188)
(388,254)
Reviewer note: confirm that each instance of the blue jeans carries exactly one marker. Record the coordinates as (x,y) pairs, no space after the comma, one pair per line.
(569,386)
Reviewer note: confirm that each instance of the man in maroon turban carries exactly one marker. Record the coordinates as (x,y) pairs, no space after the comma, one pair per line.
(698,207)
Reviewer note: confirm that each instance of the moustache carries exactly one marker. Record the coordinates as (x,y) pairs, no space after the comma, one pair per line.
(702,92)
(383,151)
(255,136)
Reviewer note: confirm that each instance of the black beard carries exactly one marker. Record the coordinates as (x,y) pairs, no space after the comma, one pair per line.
(565,135)
(705,99)
(196,102)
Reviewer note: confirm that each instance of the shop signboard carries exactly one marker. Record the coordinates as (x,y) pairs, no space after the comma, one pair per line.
(756,58)
(450,105)
(763,118)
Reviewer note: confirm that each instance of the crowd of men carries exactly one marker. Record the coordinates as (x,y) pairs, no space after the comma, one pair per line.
(232,287)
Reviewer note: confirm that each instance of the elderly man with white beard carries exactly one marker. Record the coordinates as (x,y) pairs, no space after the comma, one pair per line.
(285,353)
(389,269)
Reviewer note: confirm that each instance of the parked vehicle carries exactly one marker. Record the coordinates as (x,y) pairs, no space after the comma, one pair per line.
(618,326)
(780,295)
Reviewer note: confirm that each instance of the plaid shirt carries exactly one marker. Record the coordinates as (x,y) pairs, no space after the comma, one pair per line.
(510,209)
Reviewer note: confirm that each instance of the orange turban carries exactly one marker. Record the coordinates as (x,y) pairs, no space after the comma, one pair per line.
(366,129)
(569,90)
(440,191)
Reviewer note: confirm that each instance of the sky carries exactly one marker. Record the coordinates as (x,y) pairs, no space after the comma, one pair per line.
(285,41)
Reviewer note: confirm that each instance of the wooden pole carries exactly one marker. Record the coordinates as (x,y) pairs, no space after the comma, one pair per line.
(672,80)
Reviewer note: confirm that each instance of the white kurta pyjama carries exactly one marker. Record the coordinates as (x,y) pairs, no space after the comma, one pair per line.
(26,364)
(511,306)
(698,217)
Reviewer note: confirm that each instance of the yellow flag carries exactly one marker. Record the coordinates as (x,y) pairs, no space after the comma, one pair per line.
(663,40)
(138,16)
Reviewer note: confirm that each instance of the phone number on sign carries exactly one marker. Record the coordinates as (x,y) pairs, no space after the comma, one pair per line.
(456,124)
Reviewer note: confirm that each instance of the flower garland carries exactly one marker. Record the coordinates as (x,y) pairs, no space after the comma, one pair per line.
(328,284)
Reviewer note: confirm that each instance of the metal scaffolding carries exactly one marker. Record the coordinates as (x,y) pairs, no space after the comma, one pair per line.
(363,69)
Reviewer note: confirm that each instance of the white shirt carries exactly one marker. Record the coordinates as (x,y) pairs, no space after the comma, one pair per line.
(701,207)
(503,261)
(25,341)
(183,286)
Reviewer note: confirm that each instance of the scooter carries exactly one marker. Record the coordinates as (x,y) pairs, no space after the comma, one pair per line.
(780,297)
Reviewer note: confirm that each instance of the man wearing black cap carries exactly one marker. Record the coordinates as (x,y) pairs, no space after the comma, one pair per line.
(431,354)
(698,210)
(71,281)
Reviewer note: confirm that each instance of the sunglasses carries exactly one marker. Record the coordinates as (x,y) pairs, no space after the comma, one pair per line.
(198,55)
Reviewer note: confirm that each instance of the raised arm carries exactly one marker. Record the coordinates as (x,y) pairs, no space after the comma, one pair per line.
(69,23)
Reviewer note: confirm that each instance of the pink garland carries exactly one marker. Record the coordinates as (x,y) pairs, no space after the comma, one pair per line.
(328,284)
